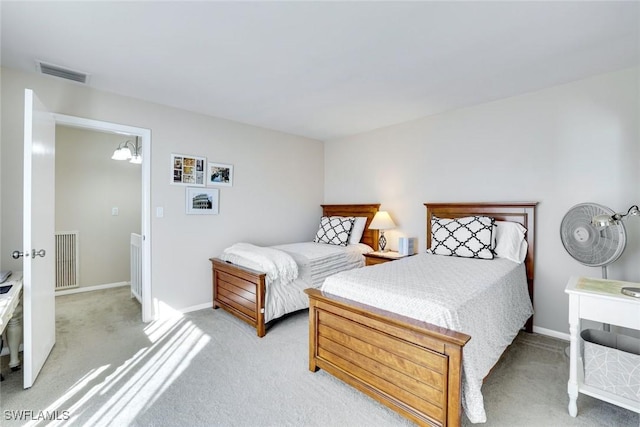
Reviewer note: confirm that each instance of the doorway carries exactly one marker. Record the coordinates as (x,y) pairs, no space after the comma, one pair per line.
(144,136)
(98,212)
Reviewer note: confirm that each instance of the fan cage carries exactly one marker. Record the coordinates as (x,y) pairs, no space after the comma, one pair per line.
(587,244)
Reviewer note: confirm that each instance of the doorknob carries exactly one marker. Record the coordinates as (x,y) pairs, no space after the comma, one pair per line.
(35,253)
(18,254)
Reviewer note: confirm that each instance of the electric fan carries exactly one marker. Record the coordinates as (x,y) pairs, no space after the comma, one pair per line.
(590,245)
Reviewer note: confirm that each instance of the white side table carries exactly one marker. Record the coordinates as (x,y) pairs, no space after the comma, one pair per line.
(601,301)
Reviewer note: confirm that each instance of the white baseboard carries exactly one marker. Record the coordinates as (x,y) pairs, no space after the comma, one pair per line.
(197,307)
(163,311)
(551,333)
(92,288)
(536,329)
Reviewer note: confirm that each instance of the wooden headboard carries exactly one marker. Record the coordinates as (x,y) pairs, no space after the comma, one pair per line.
(520,212)
(369,237)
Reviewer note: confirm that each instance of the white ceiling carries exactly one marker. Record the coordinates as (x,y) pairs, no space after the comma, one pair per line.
(323,69)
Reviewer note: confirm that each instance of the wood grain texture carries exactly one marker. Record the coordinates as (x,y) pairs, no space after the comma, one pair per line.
(369,237)
(372,260)
(413,367)
(241,291)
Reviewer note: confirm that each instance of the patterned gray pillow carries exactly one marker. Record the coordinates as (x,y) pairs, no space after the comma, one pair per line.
(468,237)
(335,230)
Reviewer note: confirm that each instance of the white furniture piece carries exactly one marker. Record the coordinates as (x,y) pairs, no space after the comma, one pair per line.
(598,300)
(11,317)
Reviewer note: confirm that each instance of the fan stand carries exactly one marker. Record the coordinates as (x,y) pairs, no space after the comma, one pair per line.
(605,326)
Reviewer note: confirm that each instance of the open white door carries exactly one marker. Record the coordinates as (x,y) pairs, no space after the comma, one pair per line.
(38,236)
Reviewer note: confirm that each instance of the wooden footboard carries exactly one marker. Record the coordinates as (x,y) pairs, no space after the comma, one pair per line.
(240,291)
(412,367)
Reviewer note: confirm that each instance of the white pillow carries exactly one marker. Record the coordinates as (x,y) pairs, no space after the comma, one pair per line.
(361,248)
(510,241)
(357,230)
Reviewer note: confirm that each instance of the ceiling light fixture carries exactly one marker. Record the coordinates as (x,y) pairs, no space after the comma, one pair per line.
(123,152)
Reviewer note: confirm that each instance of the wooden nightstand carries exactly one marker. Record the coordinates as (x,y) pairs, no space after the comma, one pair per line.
(373,258)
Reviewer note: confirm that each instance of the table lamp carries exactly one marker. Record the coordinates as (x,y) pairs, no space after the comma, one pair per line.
(382,221)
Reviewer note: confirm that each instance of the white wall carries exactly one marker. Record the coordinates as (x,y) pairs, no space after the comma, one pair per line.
(278,184)
(88,185)
(560,146)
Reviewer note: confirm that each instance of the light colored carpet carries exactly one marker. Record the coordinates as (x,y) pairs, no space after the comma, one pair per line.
(207,368)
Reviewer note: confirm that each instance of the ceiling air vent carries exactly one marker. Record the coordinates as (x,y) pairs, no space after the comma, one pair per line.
(63,73)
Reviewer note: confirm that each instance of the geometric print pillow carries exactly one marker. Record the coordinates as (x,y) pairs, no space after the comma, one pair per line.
(335,230)
(468,237)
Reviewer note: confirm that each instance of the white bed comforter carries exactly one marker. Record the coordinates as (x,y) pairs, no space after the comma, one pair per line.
(314,262)
(487,299)
(276,264)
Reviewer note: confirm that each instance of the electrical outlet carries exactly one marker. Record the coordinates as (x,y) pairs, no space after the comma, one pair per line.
(114,211)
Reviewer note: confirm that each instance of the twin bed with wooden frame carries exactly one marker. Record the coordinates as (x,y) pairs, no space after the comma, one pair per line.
(242,291)
(413,367)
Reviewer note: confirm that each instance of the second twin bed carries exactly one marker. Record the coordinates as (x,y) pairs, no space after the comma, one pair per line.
(397,331)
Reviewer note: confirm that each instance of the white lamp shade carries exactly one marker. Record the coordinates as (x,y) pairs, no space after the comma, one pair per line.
(122,153)
(382,221)
(137,159)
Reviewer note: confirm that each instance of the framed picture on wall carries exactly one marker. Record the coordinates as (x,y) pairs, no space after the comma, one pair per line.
(188,170)
(202,201)
(220,174)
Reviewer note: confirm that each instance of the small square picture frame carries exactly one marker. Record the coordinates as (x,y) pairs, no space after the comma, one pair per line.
(220,174)
(188,170)
(202,201)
